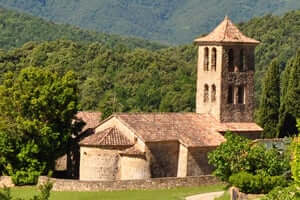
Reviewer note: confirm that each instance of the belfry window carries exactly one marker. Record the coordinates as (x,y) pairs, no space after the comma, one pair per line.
(230,60)
(242,61)
(206,93)
(206,59)
(240,95)
(213,59)
(213,93)
(230,95)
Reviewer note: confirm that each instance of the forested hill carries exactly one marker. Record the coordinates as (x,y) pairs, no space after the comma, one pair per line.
(17,29)
(279,36)
(113,79)
(172,21)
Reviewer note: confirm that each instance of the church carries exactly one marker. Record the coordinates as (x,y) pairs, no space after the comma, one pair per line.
(149,145)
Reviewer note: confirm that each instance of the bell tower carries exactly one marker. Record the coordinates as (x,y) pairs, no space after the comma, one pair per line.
(225,74)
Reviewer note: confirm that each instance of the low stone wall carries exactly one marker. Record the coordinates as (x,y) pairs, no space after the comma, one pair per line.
(156,183)
(5,181)
(237,195)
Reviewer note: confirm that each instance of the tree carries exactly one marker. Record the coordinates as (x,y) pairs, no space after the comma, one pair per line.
(290,108)
(36,111)
(270,101)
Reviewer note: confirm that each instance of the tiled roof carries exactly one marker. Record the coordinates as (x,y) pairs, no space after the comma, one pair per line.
(91,119)
(191,129)
(226,32)
(132,151)
(108,137)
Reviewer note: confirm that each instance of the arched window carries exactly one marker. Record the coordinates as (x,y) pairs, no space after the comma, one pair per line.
(242,61)
(230,60)
(240,95)
(230,95)
(206,61)
(206,92)
(213,59)
(213,93)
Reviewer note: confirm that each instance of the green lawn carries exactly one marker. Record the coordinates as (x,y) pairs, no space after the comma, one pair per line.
(166,194)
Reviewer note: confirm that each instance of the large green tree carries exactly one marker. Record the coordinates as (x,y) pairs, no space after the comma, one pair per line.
(270,101)
(290,105)
(36,111)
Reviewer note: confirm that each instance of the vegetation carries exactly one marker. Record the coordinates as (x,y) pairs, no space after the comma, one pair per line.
(270,101)
(17,29)
(44,193)
(290,105)
(37,107)
(163,194)
(251,167)
(172,21)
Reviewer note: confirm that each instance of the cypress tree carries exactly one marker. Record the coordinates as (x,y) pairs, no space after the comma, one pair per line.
(291,100)
(270,101)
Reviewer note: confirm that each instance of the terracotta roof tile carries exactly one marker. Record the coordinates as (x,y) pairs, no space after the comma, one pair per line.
(226,32)
(189,128)
(91,119)
(108,137)
(132,151)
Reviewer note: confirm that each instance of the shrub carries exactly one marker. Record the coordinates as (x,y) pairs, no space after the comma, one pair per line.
(287,193)
(256,184)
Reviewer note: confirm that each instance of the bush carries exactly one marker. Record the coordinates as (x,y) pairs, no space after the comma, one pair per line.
(256,184)
(287,193)
(239,154)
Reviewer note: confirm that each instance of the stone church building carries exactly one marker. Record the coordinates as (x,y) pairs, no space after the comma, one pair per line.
(147,145)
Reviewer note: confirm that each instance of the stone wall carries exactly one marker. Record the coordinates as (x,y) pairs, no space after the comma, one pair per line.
(164,158)
(198,162)
(235,194)
(157,183)
(236,112)
(98,164)
(6,181)
(134,167)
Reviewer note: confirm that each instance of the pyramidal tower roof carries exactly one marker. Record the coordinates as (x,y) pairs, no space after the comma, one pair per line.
(226,32)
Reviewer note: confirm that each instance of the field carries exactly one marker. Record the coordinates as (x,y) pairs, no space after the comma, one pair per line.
(166,194)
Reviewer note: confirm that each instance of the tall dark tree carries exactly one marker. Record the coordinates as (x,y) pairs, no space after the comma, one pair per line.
(290,108)
(270,101)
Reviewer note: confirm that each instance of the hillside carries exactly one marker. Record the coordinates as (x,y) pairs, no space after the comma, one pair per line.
(171,21)
(17,29)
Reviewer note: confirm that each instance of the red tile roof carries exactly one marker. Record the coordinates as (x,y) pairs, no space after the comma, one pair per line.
(191,129)
(226,32)
(91,119)
(108,137)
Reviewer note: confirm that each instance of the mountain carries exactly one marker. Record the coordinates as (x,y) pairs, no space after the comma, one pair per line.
(170,21)
(17,29)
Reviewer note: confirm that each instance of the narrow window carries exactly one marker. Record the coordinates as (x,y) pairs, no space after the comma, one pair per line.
(213,93)
(213,59)
(240,94)
(230,60)
(206,92)
(242,61)
(230,95)
(206,61)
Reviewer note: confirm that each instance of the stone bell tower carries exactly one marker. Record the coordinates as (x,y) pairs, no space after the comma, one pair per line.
(225,71)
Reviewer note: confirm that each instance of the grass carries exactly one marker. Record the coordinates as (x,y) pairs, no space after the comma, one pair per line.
(164,194)
(225,196)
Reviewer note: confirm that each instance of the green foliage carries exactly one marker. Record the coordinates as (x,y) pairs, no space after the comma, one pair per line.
(270,101)
(288,193)
(295,164)
(171,21)
(290,108)
(45,190)
(17,29)
(37,107)
(256,184)
(238,154)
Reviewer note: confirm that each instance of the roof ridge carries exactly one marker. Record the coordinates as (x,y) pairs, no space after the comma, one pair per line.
(106,134)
